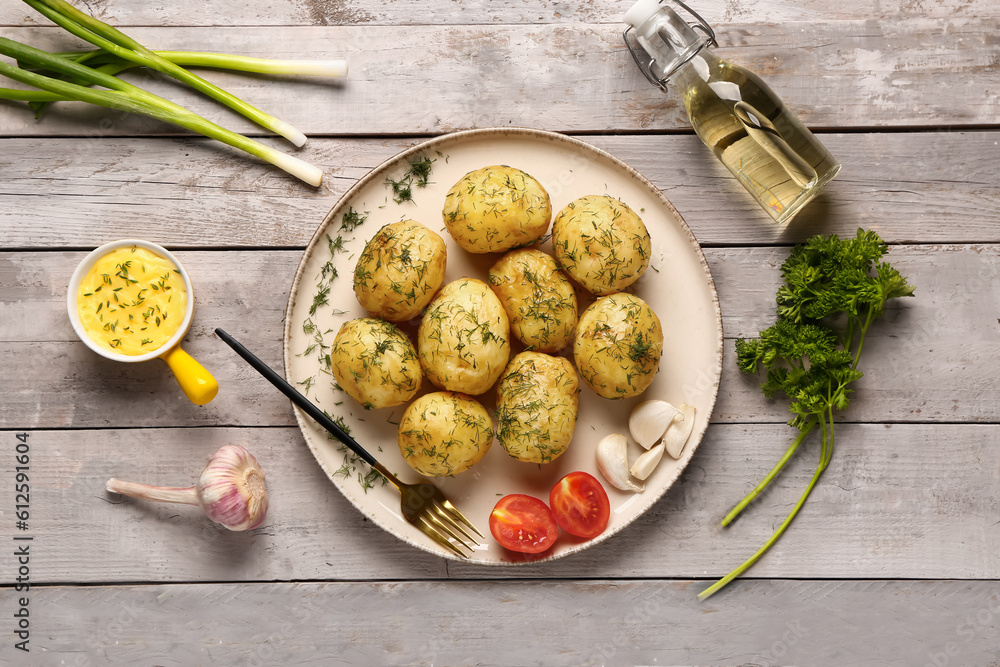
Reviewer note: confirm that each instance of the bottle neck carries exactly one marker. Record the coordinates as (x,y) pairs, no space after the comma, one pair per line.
(700,67)
(669,41)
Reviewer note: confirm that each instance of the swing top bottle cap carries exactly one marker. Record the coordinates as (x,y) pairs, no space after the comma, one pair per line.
(641,12)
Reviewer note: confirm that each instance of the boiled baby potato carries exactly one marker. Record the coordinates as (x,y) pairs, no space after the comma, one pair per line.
(400,270)
(375,363)
(618,345)
(601,243)
(444,433)
(537,401)
(538,299)
(495,209)
(463,340)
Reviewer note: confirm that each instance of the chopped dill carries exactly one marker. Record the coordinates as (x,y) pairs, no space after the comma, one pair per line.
(321,298)
(352,219)
(421,171)
(401,190)
(418,175)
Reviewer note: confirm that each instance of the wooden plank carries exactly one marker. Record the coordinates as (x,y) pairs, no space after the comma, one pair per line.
(576,78)
(934,187)
(863,623)
(898,501)
(411,12)
(930,359)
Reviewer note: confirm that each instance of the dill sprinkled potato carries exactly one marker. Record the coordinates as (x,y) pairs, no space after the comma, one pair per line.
(601,243)
(618,345)
(537,401)
(375,363)
(495,209)
(399,270)
(463,337)
(444,433)
(538,299)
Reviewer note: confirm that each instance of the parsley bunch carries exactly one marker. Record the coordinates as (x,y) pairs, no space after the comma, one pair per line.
(834,289)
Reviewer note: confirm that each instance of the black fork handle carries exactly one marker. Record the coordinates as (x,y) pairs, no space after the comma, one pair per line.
(298,399)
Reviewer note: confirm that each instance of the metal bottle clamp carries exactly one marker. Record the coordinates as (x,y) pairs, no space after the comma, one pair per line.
(647,68)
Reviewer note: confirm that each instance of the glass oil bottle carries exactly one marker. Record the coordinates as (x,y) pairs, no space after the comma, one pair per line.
(765,146)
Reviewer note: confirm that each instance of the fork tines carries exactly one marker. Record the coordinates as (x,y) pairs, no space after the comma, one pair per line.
(446,525)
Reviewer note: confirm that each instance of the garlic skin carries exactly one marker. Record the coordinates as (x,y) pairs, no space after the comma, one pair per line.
(644,465)
(679,431)
(612,461)
(230,490)
(649,420)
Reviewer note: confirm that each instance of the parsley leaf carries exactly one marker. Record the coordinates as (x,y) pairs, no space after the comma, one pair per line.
(834,289)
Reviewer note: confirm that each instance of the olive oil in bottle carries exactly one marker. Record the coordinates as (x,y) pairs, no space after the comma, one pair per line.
(763,144)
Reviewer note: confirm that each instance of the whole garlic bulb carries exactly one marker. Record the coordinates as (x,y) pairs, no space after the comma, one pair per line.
(231,490)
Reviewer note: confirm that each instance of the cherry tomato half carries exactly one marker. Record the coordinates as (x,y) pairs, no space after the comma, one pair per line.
(580,504)
(523,523)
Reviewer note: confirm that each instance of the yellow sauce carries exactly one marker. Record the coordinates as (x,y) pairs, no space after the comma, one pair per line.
(132,301)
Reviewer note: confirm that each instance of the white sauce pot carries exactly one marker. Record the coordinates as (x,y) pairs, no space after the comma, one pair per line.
(197,383)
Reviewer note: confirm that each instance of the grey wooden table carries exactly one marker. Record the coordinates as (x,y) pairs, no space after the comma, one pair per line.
(894,559)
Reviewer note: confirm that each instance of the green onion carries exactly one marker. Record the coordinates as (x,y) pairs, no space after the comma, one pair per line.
(124,96)
(118,43)
(29,95)
(327,68)
(113,65)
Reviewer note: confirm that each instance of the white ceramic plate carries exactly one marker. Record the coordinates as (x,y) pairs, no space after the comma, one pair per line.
(678,285)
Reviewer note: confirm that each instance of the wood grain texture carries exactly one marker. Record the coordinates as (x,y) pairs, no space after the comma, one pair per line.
(862,623)
(935,187)
(895,560)
(898,501)
(423,12)
(930,359)
(579,78)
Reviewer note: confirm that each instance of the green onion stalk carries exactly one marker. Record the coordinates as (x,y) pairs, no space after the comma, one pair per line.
(121,45)
(110,64)
(124,96)
(334,69)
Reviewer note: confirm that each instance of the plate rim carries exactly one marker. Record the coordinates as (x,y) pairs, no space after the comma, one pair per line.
(479,133)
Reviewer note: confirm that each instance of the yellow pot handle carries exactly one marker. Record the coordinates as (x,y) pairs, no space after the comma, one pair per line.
(197,383)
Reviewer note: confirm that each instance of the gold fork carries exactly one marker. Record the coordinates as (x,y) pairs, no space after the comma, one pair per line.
(423,504)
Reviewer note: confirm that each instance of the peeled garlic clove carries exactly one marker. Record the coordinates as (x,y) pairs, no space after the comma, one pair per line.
(649,421)
(644,465)
(612,461)
(679,431)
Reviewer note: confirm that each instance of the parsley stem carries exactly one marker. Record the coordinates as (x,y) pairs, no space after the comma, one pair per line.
(826,452)
(770,476)
(829,452)
(861,339)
